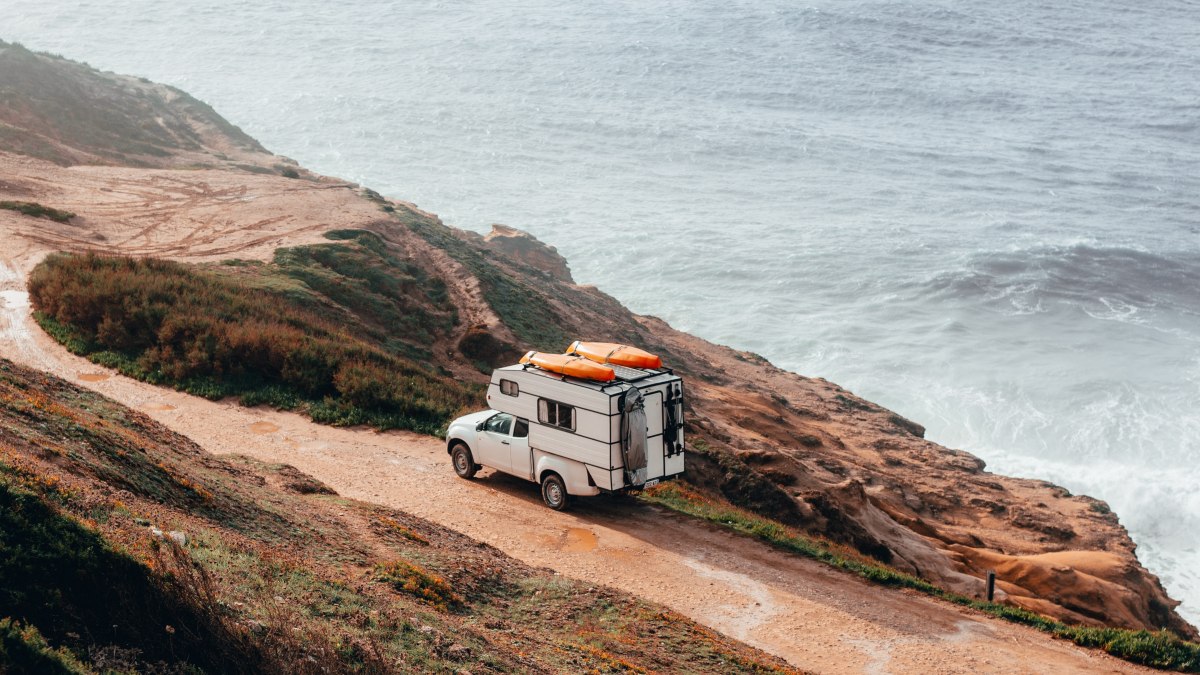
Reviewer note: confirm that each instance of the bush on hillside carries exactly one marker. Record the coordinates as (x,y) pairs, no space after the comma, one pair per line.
(36,210)
(217,334)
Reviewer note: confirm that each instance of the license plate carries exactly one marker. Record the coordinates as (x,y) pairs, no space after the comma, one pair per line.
(651,483)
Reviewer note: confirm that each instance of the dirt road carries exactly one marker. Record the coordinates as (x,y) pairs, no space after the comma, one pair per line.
(814,617)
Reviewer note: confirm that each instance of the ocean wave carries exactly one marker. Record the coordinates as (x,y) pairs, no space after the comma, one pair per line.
(1106,282)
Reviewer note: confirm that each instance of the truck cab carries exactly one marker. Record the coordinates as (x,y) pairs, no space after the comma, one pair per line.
(497,440)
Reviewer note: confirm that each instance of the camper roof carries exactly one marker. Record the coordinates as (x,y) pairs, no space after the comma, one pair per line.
(624,374)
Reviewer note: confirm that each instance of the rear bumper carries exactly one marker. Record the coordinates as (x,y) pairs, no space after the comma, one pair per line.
(650,483)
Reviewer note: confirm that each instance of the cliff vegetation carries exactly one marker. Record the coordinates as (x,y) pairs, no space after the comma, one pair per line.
(338,330)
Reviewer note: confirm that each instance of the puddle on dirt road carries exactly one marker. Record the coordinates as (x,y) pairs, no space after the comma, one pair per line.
(264,428)
(579,540)
(94,377)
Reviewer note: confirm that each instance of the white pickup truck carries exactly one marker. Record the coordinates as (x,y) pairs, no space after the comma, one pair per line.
(575,436)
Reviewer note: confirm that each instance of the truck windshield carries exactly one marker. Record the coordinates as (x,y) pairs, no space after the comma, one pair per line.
(500,423)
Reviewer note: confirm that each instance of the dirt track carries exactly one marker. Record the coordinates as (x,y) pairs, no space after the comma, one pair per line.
(812,616)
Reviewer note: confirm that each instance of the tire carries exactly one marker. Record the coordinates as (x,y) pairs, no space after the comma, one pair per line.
(464,463)
(554,492)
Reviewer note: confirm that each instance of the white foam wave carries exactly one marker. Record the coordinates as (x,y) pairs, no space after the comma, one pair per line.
(1114,310)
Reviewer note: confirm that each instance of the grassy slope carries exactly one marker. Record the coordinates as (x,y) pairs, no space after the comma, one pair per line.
(518,302)
(277,574)
(341,331)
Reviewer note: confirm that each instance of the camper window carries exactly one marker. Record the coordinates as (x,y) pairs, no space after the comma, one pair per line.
(499,423)
(509,388)
(556,414)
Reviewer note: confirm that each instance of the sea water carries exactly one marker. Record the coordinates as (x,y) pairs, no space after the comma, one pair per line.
(984,215)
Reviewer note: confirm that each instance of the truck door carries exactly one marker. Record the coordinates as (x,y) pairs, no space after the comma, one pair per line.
(494,442)
(521,458)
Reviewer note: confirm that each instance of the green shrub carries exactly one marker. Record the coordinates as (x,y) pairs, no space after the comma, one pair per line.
(323,344)
(23,649)
(38,211)
(64,578)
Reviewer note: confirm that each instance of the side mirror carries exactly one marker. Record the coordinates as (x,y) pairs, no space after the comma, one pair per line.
(479,427)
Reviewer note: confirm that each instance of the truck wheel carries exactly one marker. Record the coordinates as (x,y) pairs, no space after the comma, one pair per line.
(464,463)
(554,492)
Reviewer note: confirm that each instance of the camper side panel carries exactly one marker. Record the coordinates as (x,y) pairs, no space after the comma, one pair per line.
(589,440)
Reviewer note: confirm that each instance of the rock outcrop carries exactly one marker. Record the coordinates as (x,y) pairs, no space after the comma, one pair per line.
(524,248)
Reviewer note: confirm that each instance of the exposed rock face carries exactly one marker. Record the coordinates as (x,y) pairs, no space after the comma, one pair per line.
(524,248)
(809,453)
(1095,587)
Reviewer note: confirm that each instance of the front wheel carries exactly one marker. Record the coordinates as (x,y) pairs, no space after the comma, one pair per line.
(464,463)
(554,492)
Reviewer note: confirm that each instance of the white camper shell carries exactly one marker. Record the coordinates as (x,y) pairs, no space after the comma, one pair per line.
(594,436)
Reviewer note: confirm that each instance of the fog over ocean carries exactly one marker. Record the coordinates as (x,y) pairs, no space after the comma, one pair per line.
(983,215)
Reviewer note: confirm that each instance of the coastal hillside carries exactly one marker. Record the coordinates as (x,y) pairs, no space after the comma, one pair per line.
(127,121)
(128,547)
(218,266)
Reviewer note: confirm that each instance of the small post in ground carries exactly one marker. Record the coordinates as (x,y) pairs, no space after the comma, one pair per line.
(991,585)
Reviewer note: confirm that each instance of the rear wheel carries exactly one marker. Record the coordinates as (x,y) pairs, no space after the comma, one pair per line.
(554,492)
(464,463)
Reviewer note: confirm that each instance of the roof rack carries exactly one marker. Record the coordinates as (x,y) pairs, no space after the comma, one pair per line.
(627,374)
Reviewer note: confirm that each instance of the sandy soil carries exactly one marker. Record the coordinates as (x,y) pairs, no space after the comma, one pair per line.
(814,617)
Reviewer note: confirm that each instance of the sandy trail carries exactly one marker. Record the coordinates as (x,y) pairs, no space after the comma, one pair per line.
(814,617)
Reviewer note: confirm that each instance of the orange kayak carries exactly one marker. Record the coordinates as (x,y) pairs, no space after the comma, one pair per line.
(620,355)
(574,366)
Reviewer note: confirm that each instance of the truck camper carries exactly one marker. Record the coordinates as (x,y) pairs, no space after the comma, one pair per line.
(600,418)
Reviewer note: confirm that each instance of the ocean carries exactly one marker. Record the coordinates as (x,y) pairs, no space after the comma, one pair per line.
(984,215)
